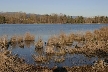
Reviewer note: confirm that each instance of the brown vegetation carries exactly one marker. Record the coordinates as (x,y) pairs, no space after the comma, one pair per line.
(91,44)
(41,59)
(39,43)
(24,18)
(29,37)
(10,63)
(13,39)
(4,42)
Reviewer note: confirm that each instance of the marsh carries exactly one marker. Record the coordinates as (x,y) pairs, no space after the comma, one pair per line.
(46,31)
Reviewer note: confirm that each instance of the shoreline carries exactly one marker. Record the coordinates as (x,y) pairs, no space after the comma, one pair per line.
(59,23)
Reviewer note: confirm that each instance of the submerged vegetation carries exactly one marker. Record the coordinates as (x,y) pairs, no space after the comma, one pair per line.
(24,18)
(90,44)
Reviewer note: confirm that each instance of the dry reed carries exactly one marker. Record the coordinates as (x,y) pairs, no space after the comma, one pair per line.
(29,37)
(39,43)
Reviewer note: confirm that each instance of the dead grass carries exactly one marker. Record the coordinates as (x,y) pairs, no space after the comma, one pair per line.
(20,38)
(29,37)
(94,43)
(13,39)
(39,43)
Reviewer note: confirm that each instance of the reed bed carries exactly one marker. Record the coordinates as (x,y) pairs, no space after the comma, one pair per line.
(49,50)
(94,43)
(11,63)
(89,36)
(91,42)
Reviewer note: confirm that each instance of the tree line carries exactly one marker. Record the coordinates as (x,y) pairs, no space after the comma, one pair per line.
(24,18)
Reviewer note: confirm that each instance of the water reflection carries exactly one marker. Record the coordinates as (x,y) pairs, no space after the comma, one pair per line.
(13,46)
(23,44)
(28,43)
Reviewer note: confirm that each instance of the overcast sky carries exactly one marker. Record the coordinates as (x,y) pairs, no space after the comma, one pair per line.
(68,7)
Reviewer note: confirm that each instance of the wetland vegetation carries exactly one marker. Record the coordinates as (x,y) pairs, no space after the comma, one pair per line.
(55,49)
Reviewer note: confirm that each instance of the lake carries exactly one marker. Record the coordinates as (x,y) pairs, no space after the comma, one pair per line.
(45,31)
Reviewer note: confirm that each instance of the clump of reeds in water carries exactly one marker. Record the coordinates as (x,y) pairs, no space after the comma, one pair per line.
(66,39)
(59,59)
(4,42)
(39,43)
(20,41)
(60,52)
(60,40)
(49,50)
(29,37)
(13,39)
(63,40)
(39,58)
(52,40)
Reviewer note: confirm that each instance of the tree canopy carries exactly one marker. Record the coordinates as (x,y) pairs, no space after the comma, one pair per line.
(24,18)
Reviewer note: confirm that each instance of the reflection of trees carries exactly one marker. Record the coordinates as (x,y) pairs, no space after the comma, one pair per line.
(28,43)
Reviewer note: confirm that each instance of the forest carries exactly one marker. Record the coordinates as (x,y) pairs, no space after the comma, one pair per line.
(30,18)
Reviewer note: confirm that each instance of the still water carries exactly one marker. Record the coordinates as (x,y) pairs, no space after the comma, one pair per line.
(45,31)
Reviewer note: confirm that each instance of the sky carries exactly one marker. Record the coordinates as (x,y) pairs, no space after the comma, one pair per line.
(68,7)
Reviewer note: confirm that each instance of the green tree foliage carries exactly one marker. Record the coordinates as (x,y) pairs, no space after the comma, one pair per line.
(24,18)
